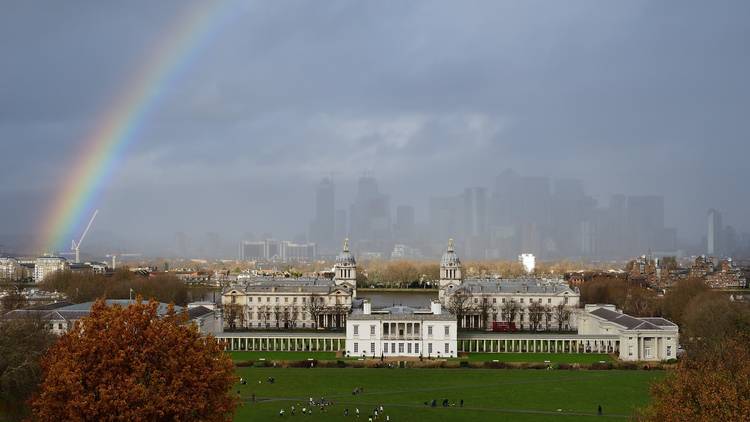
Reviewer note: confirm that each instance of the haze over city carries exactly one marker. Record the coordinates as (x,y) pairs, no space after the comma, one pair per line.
(428,98)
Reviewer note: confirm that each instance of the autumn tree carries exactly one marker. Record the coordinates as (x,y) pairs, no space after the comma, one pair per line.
(676,301)
(708,319)
(711,387)
(22,344)
(134,364)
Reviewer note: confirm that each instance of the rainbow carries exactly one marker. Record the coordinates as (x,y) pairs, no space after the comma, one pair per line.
(119,126)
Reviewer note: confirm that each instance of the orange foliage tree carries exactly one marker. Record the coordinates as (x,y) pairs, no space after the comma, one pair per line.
(715,387)
(132,364)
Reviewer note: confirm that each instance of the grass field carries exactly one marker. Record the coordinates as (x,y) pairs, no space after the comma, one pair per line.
(489,395)
(475,357)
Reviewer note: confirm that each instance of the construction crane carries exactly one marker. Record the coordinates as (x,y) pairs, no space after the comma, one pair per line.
(122,255)
(76,246)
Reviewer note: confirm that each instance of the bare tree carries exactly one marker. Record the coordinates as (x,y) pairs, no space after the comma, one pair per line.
(293,316)
(314,307)
(509,310)
(562,315)
(547,317)
(485,309)
(13,300)
(232,313)
(536,314)
(339,311)
(278,313)
(459,304)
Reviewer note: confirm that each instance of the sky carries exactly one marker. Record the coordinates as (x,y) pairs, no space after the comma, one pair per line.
(632,97)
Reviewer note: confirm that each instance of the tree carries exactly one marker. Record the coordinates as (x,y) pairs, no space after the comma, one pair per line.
(676,300)
(278,314)
(314,306)
(509,310)
(459,304)
(712,387)
(232,315)
(536,314)
(547,310)
(132,364)
(13,300)
(562,315)
(709,318)
(22,344)
(485,309)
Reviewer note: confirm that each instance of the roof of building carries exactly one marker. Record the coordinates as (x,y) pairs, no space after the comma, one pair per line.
(400,313)
(198,312)
(516,285)
(49,306)
(71,312)
(289,285)
(631,322)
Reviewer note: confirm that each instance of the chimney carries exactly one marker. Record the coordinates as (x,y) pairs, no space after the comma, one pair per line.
(436,307)
(366,307)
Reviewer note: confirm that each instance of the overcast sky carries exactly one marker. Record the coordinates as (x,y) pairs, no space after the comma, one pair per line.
(633,97)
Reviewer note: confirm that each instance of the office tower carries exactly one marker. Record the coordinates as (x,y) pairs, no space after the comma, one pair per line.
(370,216)
(645,217)
(322,229)
(714,235)
(341,231)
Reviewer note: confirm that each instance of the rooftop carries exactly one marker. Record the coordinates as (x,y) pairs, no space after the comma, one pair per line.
(631,322)
(401,312)
(516,285)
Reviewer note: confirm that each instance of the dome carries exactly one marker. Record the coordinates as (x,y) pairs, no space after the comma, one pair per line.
(450,258)
(346,257)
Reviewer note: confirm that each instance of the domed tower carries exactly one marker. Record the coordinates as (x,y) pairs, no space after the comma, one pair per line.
(450,267)
(346,268)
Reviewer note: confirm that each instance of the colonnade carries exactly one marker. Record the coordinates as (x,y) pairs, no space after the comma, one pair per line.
(521,345)
(283,344)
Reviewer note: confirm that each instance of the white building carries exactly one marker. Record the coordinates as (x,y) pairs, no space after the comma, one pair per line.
(528,260)
(46,265)
(548,304)
(640,339)
(268,302)
(401,331)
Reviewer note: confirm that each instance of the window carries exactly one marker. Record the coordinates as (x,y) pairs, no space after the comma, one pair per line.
(268,299)
(408,347)
(447,330)
(429,347)
(277,299)
(356,347)
(502,300)
(416,347)
(59,326)
(304,300)
(494,300)
(372,330)
(447,347)
(294,300)
(669,350)
(429,331)
(476,300)
(521,300)
(393,347)
(385,347)
(234,299)
(372,348)
(549,300)
(401,347)
(630,350)
(250,299)
(356,330)
(648,352)
(286,300)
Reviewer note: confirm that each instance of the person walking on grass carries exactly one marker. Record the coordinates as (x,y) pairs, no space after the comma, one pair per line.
(599,410)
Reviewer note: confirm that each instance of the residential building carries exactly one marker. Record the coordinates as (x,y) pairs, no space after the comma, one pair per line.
(46,265)
(10,269)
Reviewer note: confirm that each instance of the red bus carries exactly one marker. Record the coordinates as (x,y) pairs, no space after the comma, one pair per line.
(504,327)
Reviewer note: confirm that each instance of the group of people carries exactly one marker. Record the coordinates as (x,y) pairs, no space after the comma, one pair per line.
(446,403)
(308,410)
(377,413)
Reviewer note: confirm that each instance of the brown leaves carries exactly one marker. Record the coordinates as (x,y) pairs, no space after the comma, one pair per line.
(130,364)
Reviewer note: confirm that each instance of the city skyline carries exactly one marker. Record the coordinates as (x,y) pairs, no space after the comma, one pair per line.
(244,130)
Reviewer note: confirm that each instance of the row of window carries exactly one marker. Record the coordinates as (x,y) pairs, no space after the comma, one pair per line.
(446,330)
(400,348)
(521,300)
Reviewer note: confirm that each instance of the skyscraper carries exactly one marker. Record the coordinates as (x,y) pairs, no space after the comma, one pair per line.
(714,235)
(323,226)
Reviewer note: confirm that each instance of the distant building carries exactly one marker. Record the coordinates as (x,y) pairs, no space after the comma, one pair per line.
(401,331)
(46,265)
(528,261)
(714,233)
(10,269)
(275,250)
(323,226)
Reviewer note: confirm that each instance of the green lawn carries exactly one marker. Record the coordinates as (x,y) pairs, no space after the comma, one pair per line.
(243,356)
(538,357)
(489,395)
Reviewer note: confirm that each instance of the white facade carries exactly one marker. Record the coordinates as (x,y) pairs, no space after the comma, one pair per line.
(46,265)
(640,339)
(401,331)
